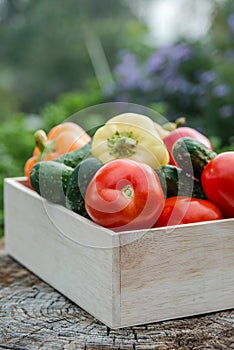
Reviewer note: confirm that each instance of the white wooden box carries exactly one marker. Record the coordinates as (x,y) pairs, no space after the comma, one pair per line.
(124,278)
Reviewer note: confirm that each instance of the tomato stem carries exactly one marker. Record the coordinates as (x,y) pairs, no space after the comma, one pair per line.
(128,191)
(122,144)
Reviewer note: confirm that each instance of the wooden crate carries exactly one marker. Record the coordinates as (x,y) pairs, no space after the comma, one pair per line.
(126,278)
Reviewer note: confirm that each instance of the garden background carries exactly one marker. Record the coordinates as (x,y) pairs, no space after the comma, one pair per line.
(58,57)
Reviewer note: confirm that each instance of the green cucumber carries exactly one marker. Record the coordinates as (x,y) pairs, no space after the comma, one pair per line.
(192,156)
(176,182)
(78,183)
(50,180)
(73,158)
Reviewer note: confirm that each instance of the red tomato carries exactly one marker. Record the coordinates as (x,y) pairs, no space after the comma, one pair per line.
(218,182)
(183,210)
(184,132)
(125,195)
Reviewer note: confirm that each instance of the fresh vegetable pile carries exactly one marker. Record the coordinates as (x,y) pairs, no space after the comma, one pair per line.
(133,173)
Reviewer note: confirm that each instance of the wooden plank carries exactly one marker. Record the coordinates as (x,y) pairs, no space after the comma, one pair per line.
(67,251)
(170,273)
(35,316)
(122,279)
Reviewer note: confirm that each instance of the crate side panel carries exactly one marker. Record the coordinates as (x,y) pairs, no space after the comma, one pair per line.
(82,273)
(167,274)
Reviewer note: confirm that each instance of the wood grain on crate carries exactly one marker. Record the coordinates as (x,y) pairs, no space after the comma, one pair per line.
(123,279)
(34,316)
(74,257)
(179,272)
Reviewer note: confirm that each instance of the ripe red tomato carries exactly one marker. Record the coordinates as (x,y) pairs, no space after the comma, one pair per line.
(184,132)
(125,195)
(183,210)
(218,182)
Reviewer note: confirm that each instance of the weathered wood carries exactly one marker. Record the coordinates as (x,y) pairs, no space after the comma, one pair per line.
(35,316)
(181,272)
(71,253)
(126,278)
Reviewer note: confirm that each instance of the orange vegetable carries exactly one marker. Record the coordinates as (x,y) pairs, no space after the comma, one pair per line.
(28,166)
(61,139)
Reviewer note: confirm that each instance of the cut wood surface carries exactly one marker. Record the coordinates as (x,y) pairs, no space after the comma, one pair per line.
(35,316)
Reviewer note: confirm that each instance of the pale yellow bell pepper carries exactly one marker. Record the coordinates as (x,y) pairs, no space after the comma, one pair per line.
(130,135)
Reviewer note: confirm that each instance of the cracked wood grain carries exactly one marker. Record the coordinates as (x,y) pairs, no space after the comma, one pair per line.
(35,316)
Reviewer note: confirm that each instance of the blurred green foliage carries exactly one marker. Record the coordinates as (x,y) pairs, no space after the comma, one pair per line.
(68,104)
(45,44)
(16,144)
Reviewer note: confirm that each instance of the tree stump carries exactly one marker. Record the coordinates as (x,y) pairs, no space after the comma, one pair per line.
(35,316)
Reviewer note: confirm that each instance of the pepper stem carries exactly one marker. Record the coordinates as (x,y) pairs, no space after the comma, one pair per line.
(40,139)
(122,144)
(177,124)
(43,144)
(180,122)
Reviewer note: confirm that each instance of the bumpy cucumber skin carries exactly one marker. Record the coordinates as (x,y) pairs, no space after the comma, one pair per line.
(50,180)
(176,182)
(73,158)
(192,156)
(78,183)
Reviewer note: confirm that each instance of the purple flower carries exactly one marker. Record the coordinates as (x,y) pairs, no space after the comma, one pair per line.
(221,90)
(128,71)
(182,52)
(207,77)
(231,22)
(177,84)
(198,90)
(172,55)
(155,63)
(146,85)
(121,98)
(226,111)
(179,52)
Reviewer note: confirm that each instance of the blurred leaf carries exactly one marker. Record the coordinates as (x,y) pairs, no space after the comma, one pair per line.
(43,44)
